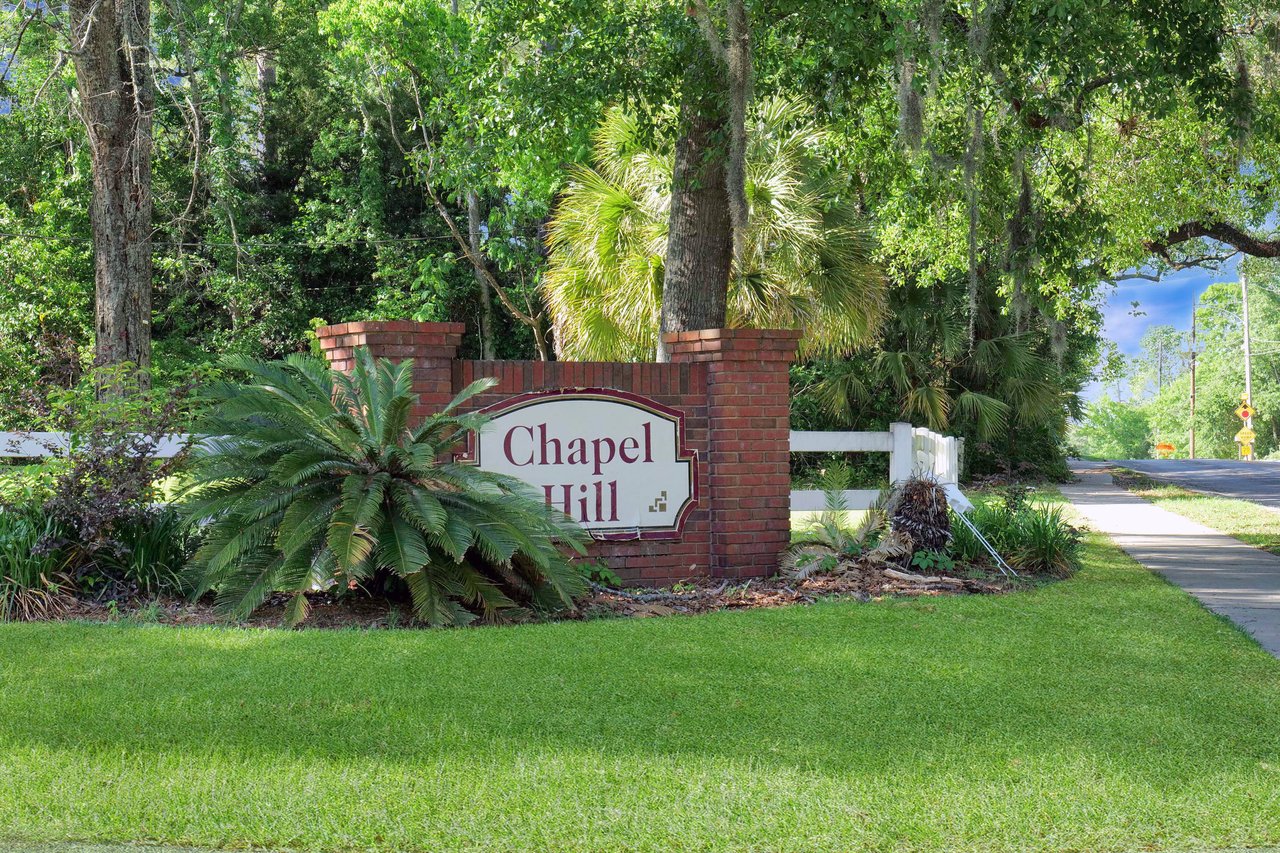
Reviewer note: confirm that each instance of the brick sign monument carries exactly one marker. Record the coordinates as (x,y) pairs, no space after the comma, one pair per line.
(676,470)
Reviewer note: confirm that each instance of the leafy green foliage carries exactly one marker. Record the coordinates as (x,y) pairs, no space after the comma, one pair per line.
(1009,157)
(150,553)
(993,522)
(1047,544)
(1113,430)
(933,561)
(29,485)
(318,479)
(925,371)
(33,576)
(806,263)
(1034,538)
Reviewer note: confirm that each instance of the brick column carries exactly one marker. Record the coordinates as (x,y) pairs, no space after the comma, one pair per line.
(431,346)
(748,425)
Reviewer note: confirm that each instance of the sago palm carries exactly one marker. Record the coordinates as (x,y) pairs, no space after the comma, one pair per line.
(311,478)
(806,261)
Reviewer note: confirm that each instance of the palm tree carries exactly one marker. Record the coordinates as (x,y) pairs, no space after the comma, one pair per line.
(926,362)
(806,260)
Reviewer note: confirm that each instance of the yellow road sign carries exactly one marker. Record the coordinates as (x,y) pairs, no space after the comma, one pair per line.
(1245,412)
(1246,436)
(1246,450)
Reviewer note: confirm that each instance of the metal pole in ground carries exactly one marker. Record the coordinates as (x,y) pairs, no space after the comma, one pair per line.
(1248,353)
(1192,448)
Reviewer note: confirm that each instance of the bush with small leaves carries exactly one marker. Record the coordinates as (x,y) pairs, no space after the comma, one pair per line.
(100,487)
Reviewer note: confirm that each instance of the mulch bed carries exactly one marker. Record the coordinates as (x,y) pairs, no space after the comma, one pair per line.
(859,582)
(1133,481)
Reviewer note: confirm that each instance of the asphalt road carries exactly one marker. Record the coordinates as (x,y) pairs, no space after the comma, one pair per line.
(1251,481)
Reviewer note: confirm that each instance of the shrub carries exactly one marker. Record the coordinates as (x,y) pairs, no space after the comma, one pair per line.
(1033,539)
(105,482)
(33,577)
(149,555)
(97,491)
(1046,543)
(317,479)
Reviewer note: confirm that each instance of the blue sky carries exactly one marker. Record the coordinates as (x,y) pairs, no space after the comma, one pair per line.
(1166,302)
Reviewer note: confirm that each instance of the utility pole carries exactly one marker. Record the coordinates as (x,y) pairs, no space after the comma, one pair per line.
(1192,449)
(1160,367)
(1248,351)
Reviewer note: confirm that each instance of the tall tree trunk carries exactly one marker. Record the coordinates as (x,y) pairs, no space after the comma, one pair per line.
(110,41)
(486,298)
(695,283)
(265,61)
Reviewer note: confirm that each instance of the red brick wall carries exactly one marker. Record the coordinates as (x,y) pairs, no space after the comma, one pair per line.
(680,386)
(748,422)
(731,385)
(432,346)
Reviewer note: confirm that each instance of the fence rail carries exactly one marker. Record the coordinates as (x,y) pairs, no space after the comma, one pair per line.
(35,445)
(912,450)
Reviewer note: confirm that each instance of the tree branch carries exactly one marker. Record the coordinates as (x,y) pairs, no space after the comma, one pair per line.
(702,15)
(1223,232)
(22,30)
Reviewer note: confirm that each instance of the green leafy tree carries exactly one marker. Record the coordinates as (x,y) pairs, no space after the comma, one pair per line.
(1112,430)
(804,263)
(317,479)
(1161,361)
(1220,378)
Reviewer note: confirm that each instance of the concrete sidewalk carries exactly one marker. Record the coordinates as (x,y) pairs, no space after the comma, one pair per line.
(1229,577)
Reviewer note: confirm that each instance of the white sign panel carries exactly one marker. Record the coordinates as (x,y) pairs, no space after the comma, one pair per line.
(614,462)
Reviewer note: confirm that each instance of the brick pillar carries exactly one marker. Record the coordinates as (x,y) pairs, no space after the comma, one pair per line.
(748,425)
(431,346)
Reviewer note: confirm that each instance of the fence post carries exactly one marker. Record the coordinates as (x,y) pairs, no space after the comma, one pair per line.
(946,468)
(902,453)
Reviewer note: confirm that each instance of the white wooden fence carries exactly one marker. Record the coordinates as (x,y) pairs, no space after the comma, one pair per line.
(912,450)
(34,445)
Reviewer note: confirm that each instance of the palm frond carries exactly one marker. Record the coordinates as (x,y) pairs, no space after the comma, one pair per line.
(318,476)
(809,263)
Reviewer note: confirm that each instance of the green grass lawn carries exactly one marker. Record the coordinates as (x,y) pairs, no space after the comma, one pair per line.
(1245,520)
(1106,712)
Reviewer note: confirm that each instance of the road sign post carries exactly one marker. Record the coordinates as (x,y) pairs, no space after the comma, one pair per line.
(1246,436)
